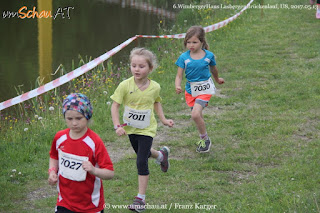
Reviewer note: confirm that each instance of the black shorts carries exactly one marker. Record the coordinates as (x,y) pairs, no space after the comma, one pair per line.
(142,145)
(61,209)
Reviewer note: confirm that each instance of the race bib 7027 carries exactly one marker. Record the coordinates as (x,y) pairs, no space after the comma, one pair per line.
(70,166)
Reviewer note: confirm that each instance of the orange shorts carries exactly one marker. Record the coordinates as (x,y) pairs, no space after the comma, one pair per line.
(203,100)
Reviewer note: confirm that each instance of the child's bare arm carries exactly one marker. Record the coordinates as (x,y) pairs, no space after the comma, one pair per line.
(104,174)
(115,118)
(178,80)
(215,74)
(53,169)
(159,111)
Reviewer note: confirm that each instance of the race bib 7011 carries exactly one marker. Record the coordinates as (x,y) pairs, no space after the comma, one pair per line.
(137,118)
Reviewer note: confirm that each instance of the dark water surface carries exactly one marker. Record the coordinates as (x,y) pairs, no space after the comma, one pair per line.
(32,47)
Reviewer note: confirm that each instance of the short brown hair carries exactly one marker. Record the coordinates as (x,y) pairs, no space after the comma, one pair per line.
(200,33)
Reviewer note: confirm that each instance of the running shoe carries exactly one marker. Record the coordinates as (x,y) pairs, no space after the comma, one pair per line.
(203,145)
(164,164)
(138,205)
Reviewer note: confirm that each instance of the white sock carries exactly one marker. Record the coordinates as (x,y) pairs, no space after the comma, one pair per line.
(143,197)
(204,136)
(160,157)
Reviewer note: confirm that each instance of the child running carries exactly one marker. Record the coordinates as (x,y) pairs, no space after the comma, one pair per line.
(78,160)
(140,97)
(197,63)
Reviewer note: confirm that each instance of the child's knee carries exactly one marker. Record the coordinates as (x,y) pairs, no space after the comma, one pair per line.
(195,115)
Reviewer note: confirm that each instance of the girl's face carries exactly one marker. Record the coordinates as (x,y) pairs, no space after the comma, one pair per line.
(194,44)
(140,68)
(76,122)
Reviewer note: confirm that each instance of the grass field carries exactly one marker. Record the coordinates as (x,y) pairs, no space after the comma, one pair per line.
(264,124)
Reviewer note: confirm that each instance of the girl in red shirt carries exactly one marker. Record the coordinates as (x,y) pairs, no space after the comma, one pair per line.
(79,160)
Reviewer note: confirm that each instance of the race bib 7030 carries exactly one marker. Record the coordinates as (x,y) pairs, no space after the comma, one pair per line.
(202,87)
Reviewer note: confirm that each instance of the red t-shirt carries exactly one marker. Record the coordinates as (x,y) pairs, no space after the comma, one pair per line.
(87,195)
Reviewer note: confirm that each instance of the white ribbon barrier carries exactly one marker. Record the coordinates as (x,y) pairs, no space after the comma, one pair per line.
(207,29)
(65,78)
(227,21)
(92,64)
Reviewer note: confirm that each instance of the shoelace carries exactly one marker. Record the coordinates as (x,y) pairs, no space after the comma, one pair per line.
(201,143)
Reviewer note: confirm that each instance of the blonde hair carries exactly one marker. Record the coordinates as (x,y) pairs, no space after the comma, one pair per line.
(199,32)
(149,56)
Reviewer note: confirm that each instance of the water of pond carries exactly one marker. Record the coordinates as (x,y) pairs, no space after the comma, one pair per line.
(32,47)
